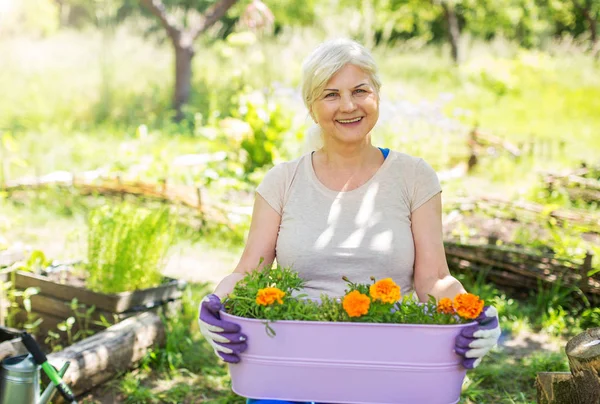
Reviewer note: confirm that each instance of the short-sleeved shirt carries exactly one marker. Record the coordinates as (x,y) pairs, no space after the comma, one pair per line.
(326,234)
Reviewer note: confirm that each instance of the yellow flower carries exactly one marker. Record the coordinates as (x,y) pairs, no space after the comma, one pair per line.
(445,306)
(467,305)
(356,304)
(268,296)
(385,290)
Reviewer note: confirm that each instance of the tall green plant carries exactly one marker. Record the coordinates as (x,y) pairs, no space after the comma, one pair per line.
(127,247)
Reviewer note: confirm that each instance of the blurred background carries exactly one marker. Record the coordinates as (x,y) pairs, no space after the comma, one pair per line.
(189,102)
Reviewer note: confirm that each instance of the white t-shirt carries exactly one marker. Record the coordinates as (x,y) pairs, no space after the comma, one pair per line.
(326,234)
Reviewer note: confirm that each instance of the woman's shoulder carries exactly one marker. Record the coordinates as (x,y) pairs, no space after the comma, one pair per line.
(406,160)
(285,170)
(290,166)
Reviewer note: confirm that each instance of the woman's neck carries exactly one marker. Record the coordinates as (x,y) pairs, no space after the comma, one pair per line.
(350,157)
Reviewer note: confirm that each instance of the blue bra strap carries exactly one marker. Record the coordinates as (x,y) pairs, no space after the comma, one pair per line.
(384,151)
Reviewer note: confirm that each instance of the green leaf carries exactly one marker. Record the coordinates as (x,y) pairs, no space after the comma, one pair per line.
(9,143)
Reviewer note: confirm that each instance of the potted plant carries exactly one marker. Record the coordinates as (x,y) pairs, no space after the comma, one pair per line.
(370,346)
(127,249)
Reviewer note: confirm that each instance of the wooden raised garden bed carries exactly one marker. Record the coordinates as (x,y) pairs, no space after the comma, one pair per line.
(4,303)
(53,302)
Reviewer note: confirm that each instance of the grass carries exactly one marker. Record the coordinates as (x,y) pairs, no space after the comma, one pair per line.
(111,110)
(187,371)
(502,378)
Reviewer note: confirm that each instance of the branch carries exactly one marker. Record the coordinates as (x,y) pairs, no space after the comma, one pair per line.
(211,16)
(585,8)
(157,8)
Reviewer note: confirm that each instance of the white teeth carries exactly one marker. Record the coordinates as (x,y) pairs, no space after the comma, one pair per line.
(350,120)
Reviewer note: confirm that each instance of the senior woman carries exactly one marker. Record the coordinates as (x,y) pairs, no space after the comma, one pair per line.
(347,208)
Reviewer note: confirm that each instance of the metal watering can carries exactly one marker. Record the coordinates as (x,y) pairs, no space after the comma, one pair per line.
(20,381)
(20,377)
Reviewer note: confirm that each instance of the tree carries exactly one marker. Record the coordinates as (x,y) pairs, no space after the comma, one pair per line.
(182,35)
(453,29)
(590,9)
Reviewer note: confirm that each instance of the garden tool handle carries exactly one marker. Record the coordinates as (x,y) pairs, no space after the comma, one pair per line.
(40,359)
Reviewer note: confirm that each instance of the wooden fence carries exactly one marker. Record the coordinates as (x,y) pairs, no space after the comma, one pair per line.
(517,267)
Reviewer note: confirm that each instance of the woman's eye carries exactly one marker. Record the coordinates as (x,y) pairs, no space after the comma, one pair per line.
(359,90)
(330,95)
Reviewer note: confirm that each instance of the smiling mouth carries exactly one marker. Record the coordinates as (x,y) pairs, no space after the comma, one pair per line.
(350,120)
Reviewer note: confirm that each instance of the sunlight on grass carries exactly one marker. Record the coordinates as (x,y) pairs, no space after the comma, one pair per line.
(70,106)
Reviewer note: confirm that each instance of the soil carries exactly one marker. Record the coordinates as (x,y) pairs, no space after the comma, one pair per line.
(526,342)
(482,227)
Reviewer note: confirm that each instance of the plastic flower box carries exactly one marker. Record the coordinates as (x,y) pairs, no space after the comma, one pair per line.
(341,362)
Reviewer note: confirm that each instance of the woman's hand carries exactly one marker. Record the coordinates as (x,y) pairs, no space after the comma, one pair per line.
(474,342)
(224,336)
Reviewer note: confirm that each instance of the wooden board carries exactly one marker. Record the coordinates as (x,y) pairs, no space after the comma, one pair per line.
(114,303)
(101,357)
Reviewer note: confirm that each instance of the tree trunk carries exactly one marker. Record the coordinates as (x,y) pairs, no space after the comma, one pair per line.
(183,40)
(63,13)
(453,30)
(582,385)
(587,13)
(183,78)
(101,357)
(586,10)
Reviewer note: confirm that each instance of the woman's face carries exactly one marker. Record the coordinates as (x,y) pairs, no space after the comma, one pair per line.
(348,108)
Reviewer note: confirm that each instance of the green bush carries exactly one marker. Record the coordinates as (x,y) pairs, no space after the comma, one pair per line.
(127,246)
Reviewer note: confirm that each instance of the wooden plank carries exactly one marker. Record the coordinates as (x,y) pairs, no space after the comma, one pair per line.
(114,303)
(104,355)
(51,320)
(43,304)
(4,302)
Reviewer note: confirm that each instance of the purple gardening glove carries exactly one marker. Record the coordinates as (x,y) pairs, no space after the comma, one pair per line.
(224,336)
(475,341)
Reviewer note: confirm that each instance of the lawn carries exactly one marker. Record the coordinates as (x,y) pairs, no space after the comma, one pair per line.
(83,110)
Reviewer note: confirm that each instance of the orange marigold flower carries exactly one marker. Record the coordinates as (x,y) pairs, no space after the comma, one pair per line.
(445,306)
(356,304)
(385,290)
(467,305)
(268,296)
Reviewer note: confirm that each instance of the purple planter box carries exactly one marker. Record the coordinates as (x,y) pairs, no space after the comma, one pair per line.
(349,362)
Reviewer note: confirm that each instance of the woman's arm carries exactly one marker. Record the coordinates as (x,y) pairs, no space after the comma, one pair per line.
(261,241)
(431,276)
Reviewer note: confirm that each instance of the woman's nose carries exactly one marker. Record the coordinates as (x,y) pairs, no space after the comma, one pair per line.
(347,104)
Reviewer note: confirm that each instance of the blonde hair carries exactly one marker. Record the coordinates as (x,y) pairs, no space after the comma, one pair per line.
(322,64)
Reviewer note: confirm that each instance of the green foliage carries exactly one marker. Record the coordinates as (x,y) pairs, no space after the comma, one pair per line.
(289,13)
(185,369)
(268,122)
(509,379)
(127,247)
(243,302)
(36,262)
(528,22)
(32,321)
